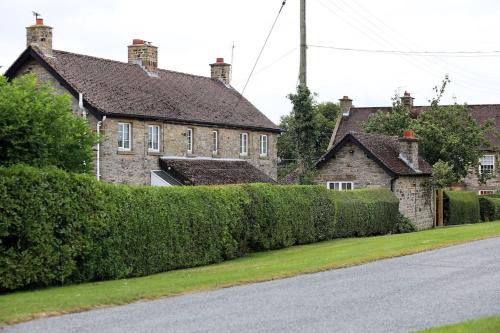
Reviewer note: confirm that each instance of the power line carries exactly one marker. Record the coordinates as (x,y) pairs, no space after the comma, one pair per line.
(264,46)
(467,54)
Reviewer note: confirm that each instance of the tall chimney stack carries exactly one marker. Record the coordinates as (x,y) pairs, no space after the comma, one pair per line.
(345,106)
(39,35)
(221,71)
(408,149)
(143,53)
(407,100)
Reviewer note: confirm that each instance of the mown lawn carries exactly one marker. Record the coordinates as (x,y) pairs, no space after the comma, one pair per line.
(483,325)
(22,306)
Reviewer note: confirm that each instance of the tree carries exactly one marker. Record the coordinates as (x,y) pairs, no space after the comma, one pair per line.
(324,119)
(390,123)
(38,128)
(303,131)
(447,134)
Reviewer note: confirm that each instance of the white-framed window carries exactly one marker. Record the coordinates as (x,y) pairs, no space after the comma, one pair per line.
(124,136)
(215,142)
(243,144)
(340,186)
(263,145)
(189,140)
(486,192)
(154,138)
(487,164)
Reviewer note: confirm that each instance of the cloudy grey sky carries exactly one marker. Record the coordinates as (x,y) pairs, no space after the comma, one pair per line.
(192,33)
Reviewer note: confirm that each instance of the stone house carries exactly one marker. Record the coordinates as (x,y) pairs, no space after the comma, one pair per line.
(360,160)
(352,119)
(157,126)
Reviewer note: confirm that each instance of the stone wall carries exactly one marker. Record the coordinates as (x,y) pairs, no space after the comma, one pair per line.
(135,167)
(416,200)
(353,165)
(472,182)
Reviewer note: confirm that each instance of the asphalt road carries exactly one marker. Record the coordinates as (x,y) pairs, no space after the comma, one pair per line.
(395,295)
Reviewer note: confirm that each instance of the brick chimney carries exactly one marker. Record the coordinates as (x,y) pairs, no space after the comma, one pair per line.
(345,106)
(407,100)
(408,149)
(143,53)
(221,71)
(39,35)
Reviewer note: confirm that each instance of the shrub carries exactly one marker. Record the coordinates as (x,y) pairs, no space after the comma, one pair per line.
(58,228)
(461,207)
(490,207)
(403,225)
(365,212)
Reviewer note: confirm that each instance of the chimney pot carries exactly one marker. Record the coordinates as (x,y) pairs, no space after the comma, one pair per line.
(39,21)
(137,42)
(409,134)
(220,60)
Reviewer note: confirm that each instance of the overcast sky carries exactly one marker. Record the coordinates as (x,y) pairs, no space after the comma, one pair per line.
(190,34)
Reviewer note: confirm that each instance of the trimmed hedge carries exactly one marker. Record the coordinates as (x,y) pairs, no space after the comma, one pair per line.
(58,228)
(461,207)
(490,207)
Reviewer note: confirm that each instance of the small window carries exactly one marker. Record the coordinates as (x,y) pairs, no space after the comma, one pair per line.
(487,164)
(215,142)
(263,145)
(486,192)
(189,140)
(154,138)
(340,186)
(244,144)
(124,136)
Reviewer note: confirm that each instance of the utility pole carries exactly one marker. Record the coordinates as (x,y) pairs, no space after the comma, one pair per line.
(303,45)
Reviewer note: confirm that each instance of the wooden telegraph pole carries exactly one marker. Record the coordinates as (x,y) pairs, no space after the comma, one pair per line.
(303,45)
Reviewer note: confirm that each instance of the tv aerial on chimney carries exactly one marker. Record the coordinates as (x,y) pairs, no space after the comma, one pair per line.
(36,15)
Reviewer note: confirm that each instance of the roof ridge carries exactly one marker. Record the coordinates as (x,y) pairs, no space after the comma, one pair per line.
(126,63)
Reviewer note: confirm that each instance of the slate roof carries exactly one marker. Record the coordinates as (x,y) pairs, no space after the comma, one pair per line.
(114,88)
(197,171)
(383,149)
(358,115)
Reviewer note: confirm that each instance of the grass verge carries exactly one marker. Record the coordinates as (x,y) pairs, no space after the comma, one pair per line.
(257,267)
(483,325)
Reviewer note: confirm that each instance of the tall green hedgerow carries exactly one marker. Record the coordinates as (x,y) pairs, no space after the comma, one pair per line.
(461,207)
(490,207)
(365,212)
(58,228)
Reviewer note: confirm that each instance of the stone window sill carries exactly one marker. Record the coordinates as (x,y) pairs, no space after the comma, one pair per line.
(125,152)
(154,153)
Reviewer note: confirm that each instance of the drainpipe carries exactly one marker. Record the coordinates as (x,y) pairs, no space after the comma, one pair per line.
(80,105)
(98,163)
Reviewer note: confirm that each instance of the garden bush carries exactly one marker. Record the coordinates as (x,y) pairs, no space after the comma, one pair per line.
(490,207)
(58,228)
(365,212)
(461,207)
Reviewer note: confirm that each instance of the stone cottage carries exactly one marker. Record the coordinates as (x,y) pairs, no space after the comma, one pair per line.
(352,119)
(157,126)
(359,160)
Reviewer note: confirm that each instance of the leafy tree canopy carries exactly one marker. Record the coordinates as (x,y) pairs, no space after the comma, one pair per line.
(38,128)
(320,124)
(448,134)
